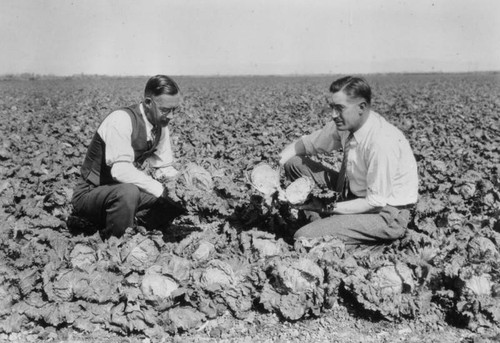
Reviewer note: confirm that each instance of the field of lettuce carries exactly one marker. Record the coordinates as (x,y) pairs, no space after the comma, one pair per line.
(228,270)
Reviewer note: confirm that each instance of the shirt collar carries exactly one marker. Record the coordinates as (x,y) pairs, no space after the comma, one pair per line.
(149,126)
(363,131)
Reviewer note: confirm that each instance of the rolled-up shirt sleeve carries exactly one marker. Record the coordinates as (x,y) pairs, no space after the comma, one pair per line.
(116,132)
(126,173)
(381,171)
(324,140)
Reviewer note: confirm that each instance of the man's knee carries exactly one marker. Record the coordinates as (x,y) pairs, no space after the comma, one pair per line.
(311,230)
(127,195)
(300,233)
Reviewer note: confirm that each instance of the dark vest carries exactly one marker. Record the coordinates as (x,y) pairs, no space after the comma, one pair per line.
(94,169)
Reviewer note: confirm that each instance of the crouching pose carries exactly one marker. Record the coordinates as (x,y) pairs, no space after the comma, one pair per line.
(378,178)
(112,191)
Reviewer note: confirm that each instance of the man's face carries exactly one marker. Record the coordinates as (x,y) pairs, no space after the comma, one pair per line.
(347,112)
(161,109)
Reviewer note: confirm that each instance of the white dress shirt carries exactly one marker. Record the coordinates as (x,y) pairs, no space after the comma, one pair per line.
(381,166)
(116,132)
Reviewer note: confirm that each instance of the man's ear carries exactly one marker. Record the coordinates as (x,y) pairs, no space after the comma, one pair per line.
(147,101)
(362,106)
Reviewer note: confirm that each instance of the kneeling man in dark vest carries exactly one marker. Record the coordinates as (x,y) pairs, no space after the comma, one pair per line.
(113,190)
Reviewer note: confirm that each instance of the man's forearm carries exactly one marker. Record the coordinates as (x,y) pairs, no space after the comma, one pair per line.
(125,172)
(359,205)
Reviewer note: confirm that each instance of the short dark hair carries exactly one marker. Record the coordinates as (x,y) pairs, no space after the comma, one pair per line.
(354,87)
(161,84)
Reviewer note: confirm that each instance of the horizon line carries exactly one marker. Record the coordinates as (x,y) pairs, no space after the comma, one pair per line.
(36,75)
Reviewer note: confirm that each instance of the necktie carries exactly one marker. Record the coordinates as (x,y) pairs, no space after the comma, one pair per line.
(155,135)
(342,185)
(150,145)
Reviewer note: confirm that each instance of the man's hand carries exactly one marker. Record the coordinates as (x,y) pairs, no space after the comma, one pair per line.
(170,198)
(315,205)
(168,172)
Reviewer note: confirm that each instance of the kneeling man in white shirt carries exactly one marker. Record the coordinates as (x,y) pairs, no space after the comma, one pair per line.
(378,179)
(113,189)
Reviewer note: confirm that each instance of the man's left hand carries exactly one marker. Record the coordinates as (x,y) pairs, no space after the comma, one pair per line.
(314,204)
(168,172)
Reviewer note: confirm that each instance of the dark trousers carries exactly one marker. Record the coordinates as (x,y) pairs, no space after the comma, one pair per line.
(115,207)
(354,229)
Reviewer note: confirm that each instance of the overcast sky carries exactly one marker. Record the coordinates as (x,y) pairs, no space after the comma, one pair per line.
(227,37)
